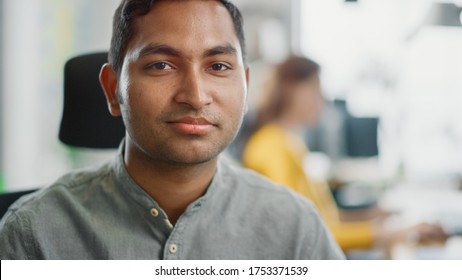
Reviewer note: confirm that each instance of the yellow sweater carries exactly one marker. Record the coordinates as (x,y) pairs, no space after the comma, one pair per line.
(278,155)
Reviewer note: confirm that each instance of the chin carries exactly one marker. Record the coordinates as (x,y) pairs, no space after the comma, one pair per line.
(190,157)
(191,161)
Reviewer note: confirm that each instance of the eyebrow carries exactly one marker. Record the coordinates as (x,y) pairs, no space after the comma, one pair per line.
(170,51)
(219,50)
(159,49)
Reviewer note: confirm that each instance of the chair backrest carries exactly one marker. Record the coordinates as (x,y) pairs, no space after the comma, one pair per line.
(86,121)
(6,199)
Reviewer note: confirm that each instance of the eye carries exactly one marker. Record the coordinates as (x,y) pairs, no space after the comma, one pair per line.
(160,66)
(219,67)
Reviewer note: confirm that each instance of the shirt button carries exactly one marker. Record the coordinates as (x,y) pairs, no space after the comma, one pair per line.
(172,248)
(154,212)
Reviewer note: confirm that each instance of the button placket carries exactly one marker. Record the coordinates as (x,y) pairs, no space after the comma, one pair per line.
(169,225)
(172,250)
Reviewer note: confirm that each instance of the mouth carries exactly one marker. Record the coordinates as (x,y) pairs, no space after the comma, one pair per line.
(192,125)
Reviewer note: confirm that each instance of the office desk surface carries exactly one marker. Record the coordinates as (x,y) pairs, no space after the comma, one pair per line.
(439,202)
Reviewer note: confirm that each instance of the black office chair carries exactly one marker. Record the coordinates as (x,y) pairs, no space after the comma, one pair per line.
(6,199)
(86,122)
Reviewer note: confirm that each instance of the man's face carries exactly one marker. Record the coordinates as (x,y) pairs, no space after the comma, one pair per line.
(183,82)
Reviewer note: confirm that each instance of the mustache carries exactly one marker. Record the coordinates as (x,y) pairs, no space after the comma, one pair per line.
(211,117)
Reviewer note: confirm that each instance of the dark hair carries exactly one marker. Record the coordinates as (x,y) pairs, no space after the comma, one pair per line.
(123,31)
(292,71)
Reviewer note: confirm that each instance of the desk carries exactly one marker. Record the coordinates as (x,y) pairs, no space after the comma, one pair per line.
(450,250)
(420,202)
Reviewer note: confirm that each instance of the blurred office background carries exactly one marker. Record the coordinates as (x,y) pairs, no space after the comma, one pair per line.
(391,71)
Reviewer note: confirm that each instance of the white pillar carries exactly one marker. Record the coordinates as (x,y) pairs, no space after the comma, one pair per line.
(20,85)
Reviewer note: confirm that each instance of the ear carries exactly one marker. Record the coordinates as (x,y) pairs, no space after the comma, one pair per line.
(247,80)
(108,81)
(247,75)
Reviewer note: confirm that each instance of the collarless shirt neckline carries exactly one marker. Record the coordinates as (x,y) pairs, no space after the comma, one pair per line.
(136,192)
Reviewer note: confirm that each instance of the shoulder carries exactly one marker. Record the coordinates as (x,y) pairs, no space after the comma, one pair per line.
(267,142)
(31,218)
(74,186)
(246,182)
(267,135)
(293,219)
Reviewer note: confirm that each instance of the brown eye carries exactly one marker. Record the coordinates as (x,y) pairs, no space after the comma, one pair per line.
(161,66)
(219,67)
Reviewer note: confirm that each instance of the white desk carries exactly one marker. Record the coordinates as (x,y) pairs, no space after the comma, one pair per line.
(416,202)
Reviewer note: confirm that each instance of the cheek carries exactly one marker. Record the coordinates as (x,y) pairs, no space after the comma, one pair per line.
(310,101)
(232,98)
(140,90)
(300,103)
(233,110)
(144,93)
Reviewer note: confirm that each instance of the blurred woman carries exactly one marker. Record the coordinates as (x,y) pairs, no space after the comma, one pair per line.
(277,150)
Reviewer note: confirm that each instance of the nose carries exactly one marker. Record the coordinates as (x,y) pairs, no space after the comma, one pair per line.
(192,90)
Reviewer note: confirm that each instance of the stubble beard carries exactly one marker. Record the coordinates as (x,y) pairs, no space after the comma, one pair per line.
(200,150)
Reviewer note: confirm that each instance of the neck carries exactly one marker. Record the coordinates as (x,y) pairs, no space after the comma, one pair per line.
(172,186)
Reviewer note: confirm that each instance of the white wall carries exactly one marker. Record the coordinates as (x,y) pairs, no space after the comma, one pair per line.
(39,36)
(382,58)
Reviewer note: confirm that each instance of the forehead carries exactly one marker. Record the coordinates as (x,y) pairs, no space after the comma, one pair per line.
(189,25)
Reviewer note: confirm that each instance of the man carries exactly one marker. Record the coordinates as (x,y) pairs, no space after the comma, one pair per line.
(177,75)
